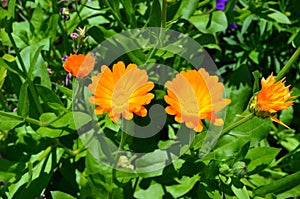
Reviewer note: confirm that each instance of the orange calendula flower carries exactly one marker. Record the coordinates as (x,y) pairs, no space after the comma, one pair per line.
(121,91)
(272,97)
(195,95)
(79,65)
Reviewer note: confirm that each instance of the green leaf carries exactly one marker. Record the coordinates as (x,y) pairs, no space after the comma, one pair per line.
(60,195)
(99,172)
(52,25)
(57,106)
(286,116)
(88,13)
(155,15)
(186,9)
(240,193)
(47,95)
(153,190)
(40,177)
(80,119)
(296,41)
(260,158)
(184,186)
(290,143)
(212,46)
(33,58)
(35,64)
(9,123)
(110,124)
(64,90)
(125,175)
(198,140)
(8,169)
(130,11)
(165,144)
(37,18)
(21,34)
(279,16)
(256,85)
(152,164)
(11,66)
(46,117)
(247,23)
(256,128)
(23,102)
(52,132)
(69,119)
(8,57)
(290,193)
(72,120)
(227,147)
(3,14)
(280,185)
(254,56)
(210,23)
(116,7)
(239,90)
(3,73)
(262,26)
(11,9)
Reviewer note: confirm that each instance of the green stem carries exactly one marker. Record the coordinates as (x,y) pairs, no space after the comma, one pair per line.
(70,152)
(191,137)
(278,186)
(77,11)
(17,117)
(203,3)
(127,127)
(291,153)
(12,116)
(29,120)
(135,184)
(53,120)
(44,154)
(134,58)
(164,14)
(241,121)
(123,139)
(288,65)
(9,31)
(35,96)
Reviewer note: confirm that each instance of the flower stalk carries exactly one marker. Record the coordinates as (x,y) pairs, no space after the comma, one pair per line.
(30,120)
(126,127)
(288,65)
(238,123)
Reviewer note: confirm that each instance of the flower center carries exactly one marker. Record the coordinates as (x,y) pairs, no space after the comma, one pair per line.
(190,108)
(120,100)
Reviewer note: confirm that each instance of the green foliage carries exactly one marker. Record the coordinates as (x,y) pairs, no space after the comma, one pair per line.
(51,145)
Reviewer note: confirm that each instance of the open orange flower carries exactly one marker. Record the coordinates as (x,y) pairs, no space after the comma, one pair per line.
(122,91)
(272,97)
(79,65)
(193,96)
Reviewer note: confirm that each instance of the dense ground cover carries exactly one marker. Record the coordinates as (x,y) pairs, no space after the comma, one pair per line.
(144,99)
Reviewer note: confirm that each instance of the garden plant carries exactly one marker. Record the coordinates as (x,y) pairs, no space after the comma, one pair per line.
(149,99)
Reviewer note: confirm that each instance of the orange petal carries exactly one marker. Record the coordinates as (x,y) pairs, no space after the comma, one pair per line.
(279,122)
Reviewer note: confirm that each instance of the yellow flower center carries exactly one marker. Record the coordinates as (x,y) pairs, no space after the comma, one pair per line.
(120,100)
(190,108)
